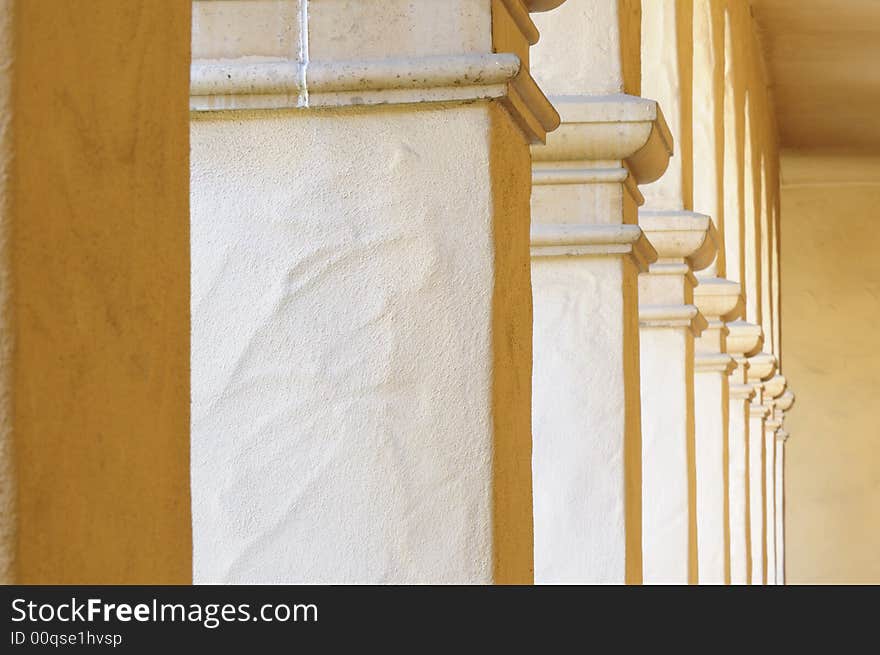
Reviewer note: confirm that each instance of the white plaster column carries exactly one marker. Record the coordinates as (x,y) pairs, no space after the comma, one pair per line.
(761,367)
(668,318)
(773,388)
(783,405)
(587,252)
(743,339)
(780,438)
(361,316)
(668,323)
(719,301)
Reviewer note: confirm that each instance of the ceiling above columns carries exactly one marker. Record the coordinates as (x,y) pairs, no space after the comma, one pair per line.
(822,60)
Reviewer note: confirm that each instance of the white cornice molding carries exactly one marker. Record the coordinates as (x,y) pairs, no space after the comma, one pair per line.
(245,84)
(587,240)
(666,316)
(681,235)
(718,298)
(610,128)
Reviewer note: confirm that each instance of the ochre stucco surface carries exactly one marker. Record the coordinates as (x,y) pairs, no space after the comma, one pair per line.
(99,248)
(830,312)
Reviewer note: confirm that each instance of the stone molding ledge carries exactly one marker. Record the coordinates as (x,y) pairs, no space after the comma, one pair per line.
(714,363)
(758,410)
(666,316)
(563,173)
(772,424)
(742,391)
(234,84)
(586,240)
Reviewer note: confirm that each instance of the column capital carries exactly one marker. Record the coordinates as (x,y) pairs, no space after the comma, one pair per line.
(280,55)
(681,236)
(781,435)
(611,128)
(774,387)
(786,400)
(744,339)
(684,241)
(586,240)
(761,367)
(719,299)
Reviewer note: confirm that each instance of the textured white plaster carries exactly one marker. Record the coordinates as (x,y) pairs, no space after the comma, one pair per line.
(710,420)
(757,533)
(665,468)
(770,498)
(338,311)
(738,498)
(579,411)
(780,507)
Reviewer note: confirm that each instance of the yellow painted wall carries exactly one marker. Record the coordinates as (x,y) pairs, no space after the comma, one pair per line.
(96,220)
(830,321)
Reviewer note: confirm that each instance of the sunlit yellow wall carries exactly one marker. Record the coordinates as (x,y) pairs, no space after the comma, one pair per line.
(830,321)
(97,313)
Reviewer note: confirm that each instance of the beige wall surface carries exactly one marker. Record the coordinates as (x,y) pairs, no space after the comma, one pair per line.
(831,312)
(98,245)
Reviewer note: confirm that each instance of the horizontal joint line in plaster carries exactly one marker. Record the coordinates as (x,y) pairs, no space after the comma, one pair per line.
(666,316)
(245,84)
(585,240)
